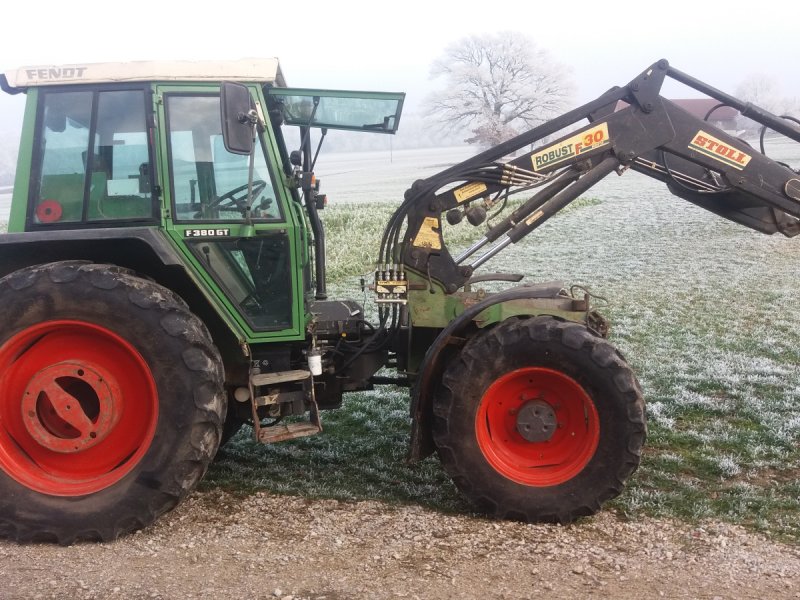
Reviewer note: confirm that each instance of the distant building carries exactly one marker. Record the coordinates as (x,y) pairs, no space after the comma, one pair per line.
(725,117)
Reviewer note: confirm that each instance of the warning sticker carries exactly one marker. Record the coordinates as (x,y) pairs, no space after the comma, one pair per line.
(428,235)
(465,192)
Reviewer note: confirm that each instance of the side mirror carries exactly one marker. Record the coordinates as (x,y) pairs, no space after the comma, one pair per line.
(235,104)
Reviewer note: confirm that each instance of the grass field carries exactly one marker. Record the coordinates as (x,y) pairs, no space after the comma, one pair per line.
(707,313)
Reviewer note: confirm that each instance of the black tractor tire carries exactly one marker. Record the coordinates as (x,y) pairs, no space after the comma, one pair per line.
(233,423)
(539,420)
(111,402)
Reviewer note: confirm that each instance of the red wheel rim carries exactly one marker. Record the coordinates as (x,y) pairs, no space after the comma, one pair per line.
(78,408)
(572,431)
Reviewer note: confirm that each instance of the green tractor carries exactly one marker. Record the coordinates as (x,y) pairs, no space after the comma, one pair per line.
(163,283)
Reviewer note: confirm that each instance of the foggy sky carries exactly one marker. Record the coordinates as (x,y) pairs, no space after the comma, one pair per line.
(360,45)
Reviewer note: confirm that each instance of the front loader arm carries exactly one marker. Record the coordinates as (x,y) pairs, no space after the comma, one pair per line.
(723,174)
(696,160)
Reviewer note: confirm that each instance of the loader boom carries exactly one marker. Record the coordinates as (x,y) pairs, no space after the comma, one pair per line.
(629,127)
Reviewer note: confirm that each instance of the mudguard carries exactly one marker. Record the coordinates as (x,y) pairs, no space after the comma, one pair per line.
(449,340)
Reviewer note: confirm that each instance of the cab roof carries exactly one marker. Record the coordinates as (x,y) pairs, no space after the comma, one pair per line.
(262,70)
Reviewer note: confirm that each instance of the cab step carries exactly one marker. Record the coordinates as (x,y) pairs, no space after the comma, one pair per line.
(282,432)
(279,377)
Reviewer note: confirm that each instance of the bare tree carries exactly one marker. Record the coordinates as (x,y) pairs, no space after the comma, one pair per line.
(762,90)
(765,91)
(497,85)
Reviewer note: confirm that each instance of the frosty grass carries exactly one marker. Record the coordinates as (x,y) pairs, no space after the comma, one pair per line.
(706,312)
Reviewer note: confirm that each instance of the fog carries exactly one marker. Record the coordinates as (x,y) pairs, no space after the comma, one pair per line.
(359,45)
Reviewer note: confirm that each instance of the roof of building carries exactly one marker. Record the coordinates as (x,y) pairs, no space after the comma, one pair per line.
(699,107)
(264,70)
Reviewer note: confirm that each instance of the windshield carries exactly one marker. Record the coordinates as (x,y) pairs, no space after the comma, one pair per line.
(208,182)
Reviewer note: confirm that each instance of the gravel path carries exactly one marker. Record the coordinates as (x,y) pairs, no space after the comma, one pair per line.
(217,545)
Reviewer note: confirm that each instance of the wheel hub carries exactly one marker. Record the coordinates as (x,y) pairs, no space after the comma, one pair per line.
(70,406)
(536,421)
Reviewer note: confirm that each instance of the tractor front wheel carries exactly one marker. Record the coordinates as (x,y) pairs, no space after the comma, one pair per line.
(111,402)
(539,420)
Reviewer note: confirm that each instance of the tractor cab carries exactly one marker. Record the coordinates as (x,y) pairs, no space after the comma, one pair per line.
(194,150)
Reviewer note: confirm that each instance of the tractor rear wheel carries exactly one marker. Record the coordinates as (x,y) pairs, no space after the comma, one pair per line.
(111,402)
(233,422)
(539,420)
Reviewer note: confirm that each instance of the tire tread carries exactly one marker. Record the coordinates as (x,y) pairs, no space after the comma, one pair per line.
(200,358)
(464,372)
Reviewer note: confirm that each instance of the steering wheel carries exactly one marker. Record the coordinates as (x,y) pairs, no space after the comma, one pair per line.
(236,199)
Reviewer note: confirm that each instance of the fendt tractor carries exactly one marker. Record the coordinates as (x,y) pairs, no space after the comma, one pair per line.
(163,283)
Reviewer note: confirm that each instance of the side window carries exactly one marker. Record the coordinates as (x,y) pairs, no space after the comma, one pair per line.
(64,142)
(94,158)
(120,186)
(208,182)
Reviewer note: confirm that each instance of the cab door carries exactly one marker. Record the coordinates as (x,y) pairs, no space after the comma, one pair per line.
(243,243)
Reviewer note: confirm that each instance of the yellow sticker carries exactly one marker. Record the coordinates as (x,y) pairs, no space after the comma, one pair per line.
(707,144)
(580,143)
(391,282)
(390,287)
(428,234)
(465,192)
(534,217)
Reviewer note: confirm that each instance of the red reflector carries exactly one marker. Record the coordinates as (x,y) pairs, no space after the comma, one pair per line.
(49,211)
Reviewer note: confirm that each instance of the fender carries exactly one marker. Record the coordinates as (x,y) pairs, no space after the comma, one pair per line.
(128,245)
(144,250)
(451,338)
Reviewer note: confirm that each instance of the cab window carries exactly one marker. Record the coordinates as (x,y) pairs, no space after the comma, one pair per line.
(208,182)
(93,158)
